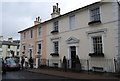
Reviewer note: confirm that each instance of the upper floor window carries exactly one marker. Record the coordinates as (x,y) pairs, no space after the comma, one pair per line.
(31,33)
(24,35)
(55,25)
(95,14)
(39,31)
(72,22)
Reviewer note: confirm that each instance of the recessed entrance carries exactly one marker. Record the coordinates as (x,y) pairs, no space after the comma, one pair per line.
(30,53)
(73,56)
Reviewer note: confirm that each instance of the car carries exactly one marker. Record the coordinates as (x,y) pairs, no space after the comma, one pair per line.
(3,66)
(12,64)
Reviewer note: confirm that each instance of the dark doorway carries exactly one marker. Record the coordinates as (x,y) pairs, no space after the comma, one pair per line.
(30,52)
(73,57)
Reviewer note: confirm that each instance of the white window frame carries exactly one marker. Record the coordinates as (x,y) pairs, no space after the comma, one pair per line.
(31,33)
(70,24)
(37,48)
(91,42)
(24,35)
(54,47)
(89,13)
(54,26)
(39,35)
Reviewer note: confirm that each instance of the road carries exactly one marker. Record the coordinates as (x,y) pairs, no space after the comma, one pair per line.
(31,76)
(28,75)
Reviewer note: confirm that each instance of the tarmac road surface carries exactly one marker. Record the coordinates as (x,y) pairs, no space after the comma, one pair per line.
(31,76)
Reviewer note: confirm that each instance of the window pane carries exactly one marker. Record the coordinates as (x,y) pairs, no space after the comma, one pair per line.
(97,44)
(55,24)
(72,22)
(55,46)
(39,31)
(39,48)
(95,14)
(24,35)
(31,33)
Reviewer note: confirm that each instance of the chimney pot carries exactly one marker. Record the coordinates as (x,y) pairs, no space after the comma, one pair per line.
(37,21)
(56,11)
(38,18)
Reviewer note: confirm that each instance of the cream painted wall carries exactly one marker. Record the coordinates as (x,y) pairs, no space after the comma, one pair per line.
(5,50)
(82,19)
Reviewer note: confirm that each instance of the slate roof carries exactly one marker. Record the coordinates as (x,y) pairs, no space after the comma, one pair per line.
(9,43)
(66,14)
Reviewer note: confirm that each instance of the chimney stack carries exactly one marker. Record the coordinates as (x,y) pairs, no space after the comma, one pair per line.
(56,11)
(10,39)
(37,21)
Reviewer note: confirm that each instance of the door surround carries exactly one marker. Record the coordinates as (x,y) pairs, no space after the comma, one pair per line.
(72,41)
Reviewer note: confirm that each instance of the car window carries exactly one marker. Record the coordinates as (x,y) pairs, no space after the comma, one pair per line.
(10,61)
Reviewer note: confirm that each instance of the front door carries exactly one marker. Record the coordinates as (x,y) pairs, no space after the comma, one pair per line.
(73,57)
(30,53)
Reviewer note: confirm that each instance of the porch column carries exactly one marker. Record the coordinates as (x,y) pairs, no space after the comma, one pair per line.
(77,50)
(36,62)
(69,57)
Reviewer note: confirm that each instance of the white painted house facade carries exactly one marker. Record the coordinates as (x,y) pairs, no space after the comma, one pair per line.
(91,32)
(9,48)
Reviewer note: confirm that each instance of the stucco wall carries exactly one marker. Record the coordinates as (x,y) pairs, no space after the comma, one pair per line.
(33,42)
(82,27)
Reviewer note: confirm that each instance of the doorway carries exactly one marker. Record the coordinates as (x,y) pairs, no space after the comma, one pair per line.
(73,56)
(30,53)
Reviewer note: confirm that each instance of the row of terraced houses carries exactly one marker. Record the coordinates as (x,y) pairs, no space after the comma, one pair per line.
(92,33)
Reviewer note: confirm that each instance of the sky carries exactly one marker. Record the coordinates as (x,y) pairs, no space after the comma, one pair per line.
(16,15)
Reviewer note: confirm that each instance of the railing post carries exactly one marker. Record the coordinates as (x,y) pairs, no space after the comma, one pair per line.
(115,66)
(48,62)
(68,64)
(88,66)
(60,63)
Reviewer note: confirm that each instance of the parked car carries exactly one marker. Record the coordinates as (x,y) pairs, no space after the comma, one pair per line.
(2,66)
(12,64)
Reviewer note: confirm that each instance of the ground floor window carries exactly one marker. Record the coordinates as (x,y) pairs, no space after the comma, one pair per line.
(97,44)
(56,46)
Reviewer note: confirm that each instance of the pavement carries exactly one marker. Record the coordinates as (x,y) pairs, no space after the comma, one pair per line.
(73,75)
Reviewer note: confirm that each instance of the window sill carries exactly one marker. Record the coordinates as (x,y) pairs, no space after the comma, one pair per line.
(54,54)
(54,31)
(96,54)
(94,22)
